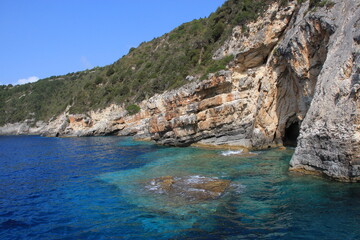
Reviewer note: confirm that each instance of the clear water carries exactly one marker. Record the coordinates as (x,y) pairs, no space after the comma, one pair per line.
(95,188)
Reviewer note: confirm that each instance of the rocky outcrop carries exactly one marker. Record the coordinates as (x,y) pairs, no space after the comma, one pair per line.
(94,123)
(27,127)
(329,137)
(224,109)
(294,81)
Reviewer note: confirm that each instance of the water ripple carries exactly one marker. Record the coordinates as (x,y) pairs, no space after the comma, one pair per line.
(94,188)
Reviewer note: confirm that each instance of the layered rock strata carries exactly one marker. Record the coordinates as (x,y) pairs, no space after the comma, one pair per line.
(329,138)
(294,81)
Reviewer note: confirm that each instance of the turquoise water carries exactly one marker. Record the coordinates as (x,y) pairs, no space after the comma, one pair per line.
(98,188)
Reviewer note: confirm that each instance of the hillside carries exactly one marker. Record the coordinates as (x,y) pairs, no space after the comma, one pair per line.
(285,74)
(153,67)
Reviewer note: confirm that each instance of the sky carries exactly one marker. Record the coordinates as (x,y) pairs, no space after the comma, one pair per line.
(43,38)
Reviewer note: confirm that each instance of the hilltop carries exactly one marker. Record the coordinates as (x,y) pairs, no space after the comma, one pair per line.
(166,62)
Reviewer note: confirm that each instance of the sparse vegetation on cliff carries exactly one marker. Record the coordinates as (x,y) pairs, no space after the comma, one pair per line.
(153,67)
(321,3)
(133,109)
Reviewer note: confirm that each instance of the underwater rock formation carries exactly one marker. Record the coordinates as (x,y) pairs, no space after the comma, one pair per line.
(294,81)
(189,188)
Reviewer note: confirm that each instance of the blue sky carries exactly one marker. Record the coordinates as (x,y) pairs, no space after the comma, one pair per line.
(42,38)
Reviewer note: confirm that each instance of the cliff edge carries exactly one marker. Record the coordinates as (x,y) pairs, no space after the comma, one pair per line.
(294,81)
(329,136)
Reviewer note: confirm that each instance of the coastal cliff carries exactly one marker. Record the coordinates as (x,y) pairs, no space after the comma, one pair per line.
(293,81)
(329,137)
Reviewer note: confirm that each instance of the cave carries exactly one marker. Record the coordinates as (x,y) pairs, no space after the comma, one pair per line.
(291,134)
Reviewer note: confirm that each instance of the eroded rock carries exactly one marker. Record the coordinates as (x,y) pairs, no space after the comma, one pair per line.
(295,80)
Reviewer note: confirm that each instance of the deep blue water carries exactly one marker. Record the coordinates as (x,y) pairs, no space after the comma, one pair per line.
(94,188)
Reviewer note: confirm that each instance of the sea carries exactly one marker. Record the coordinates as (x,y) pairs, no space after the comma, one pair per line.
(97,188)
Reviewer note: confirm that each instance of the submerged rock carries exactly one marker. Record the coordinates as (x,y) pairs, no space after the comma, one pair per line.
(189,188)
(294,81)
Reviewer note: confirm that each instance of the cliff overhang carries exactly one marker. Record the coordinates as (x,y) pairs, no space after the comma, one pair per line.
(294,81)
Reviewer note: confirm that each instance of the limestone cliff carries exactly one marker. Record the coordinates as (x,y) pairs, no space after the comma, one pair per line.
(329,137)
(294,81)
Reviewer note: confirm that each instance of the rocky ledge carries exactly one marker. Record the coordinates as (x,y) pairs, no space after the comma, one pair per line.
(294,81)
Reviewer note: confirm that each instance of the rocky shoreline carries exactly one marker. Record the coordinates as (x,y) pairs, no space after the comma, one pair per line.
(294,81)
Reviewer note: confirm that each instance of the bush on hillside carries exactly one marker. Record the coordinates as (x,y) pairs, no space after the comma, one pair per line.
(133,109)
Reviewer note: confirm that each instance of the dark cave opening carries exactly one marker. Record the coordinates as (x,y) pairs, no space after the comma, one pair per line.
(291,134)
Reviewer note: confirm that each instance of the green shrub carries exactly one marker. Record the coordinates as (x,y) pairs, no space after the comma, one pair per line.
(133,109)
(219,65)
(321,3)
(110,72)
(122,91)
(99,80)
(132,49)
(217,31)
(283,3)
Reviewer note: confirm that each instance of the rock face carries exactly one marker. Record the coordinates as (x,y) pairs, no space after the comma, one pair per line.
(227,109)
(26,127)
(329,138)
(294,81)
(189,188)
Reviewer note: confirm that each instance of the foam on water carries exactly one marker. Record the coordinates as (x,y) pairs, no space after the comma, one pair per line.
(231,152)
(196,179)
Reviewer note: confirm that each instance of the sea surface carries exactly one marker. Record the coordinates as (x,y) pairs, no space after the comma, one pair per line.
(97,188)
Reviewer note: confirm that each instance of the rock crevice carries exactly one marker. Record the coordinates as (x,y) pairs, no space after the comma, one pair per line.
(294,81)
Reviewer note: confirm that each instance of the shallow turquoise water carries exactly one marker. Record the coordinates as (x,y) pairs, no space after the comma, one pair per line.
(97,188)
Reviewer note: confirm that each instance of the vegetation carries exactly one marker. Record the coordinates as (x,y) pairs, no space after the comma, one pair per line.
(133,109)
(321,3)
(153,67)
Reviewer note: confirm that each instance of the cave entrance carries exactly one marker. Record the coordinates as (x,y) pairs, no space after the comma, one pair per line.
(291,134)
